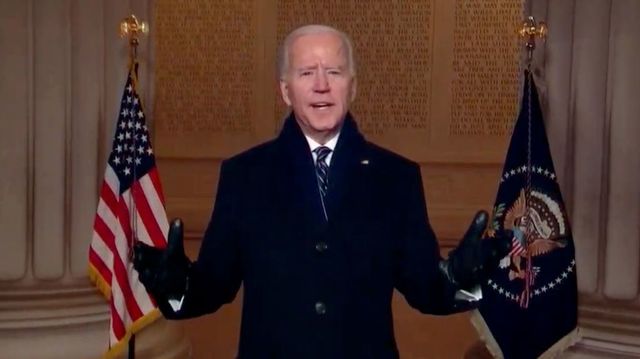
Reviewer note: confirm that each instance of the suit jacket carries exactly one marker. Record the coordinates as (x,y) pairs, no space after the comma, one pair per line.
(315,288)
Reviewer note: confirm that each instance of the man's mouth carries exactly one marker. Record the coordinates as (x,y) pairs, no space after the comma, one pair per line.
(321,105)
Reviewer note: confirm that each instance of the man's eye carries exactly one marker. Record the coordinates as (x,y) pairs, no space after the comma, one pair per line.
(335,72)
(305,73)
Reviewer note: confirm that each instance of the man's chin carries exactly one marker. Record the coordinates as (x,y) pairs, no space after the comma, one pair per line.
(325,123)
(321,125)
(325,128)
(320,132)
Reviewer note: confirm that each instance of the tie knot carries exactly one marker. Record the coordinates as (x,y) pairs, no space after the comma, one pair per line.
(322,152)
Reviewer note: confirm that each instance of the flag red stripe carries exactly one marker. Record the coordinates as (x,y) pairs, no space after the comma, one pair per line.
(99,265)
(116,322)
(516,247)
(122,214)
(153,175)
(104,233)
(108,197)
(150,222)
(119,269)
(517,251)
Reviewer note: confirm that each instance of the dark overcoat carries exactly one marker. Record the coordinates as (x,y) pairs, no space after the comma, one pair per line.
(314,288)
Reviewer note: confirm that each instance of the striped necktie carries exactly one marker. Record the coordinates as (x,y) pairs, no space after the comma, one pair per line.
(322,169)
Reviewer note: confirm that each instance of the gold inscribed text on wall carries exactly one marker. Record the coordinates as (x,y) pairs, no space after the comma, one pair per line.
(392,41)
(485,67)
(205,70)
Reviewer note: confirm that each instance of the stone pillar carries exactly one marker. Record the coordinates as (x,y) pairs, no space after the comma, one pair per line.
(63,68)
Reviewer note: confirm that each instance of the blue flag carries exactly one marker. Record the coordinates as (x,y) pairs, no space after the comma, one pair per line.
(529,306)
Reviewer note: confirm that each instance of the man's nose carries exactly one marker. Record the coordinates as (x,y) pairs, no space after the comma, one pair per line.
(321,82)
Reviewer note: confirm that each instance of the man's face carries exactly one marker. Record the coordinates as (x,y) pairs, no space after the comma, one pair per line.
(318,85)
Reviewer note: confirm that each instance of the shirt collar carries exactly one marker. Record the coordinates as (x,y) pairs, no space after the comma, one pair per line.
(331,143)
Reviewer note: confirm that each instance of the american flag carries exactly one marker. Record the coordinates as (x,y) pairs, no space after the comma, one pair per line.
(516,247)
(130,207)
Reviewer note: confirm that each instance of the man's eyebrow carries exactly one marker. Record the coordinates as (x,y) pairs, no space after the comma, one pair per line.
(310,67)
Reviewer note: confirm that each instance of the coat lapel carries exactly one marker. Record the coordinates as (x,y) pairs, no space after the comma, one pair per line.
(346,171)
(347,167)
(299,178)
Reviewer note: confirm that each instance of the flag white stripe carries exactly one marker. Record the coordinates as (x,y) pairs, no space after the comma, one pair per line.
(159,216)
(112,335)
(122,251)
(101,250)
(139,292)
(156,205)
(107,216)
(98,243)
(111,179)
(119,304)
(142,233)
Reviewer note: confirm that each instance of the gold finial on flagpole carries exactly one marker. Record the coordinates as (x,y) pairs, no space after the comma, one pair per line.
(132,28)
(529,31)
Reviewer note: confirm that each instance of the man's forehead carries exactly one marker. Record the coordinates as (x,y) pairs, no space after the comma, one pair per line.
(328,41)
(318,45)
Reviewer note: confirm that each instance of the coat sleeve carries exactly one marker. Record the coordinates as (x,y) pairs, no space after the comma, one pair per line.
(215,277)
(417,275)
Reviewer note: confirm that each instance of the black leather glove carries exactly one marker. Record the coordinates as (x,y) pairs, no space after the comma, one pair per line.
(475,257)
(164,272)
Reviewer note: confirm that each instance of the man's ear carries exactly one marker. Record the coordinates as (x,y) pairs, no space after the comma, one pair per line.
(284,91)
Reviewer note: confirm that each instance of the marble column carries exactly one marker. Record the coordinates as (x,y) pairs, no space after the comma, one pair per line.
(63,68)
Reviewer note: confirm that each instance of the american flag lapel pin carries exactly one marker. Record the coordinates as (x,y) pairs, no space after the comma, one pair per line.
(364,162)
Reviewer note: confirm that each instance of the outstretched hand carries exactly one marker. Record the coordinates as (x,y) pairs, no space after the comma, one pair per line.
(476,257)
(163,271)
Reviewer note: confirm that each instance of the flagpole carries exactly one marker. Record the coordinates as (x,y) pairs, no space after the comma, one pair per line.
(130,27)
(529,31)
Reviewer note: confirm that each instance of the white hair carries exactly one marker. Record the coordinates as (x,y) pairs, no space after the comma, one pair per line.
(283,52)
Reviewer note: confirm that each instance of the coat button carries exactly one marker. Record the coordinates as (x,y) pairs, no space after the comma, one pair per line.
(321,247)
(321,308)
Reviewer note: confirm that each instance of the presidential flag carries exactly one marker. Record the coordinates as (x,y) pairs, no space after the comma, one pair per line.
(130,208)
(529,305)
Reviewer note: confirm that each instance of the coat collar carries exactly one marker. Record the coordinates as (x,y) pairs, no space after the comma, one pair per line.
(345,163)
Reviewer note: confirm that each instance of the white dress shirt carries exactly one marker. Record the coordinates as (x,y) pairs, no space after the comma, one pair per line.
(331,144)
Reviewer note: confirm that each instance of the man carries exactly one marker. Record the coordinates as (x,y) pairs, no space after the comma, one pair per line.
(319,226)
